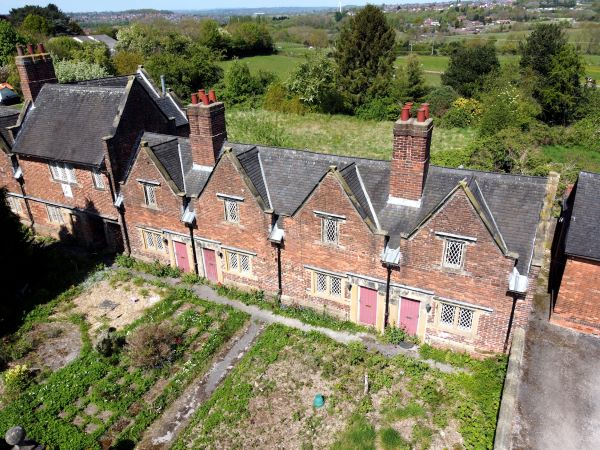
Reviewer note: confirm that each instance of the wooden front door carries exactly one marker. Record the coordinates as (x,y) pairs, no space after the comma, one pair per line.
(181,256)
(367,313)
(210,264)
(409,315)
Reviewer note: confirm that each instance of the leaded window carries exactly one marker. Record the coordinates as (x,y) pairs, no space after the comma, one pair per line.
(150,195)
(62,172)
(55,214)
(153,241)
(458,317)
(15,205)
(447,314)
(232,211)
(454,252)
(239,262)
(326,284)
(330,230)
(98,180)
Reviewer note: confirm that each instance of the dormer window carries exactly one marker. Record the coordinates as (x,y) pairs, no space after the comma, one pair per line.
(62,172)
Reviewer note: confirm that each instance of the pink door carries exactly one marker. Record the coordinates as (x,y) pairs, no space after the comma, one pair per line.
(409,315)
(368,306)
(181,256)
(210,264)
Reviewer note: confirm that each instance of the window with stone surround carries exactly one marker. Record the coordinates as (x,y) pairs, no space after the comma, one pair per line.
(153,241)
(454,253)
(232,211)
(330,230)
(55,214)
(150,195)
(62,172)
(327,285)
(456,317)
(97,179)
(238,262)
(15,205)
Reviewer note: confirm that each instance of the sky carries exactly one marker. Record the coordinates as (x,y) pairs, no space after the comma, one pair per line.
(119,5)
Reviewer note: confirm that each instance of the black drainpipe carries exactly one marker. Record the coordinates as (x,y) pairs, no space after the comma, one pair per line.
(386,317)
(510,321)
(191,227)
(21,182)
(279,275)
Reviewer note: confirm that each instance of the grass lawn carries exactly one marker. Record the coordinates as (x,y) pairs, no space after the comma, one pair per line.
(281,65)
(573,159)
(96,401)
(267,400)
(336,134)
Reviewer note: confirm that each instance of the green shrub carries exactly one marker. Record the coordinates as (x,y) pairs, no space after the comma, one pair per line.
(277,98)
(440,100)
(381,108)
(464,112)
(192,278)
(16,380)
(153,345)
(397,335)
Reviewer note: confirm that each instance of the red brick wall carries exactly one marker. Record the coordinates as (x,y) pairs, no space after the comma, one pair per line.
(578,302)
(6,174)
(207,132)
(358,251)
(166,216)
(410,159)
(250,234)
(34,72)
(140,114)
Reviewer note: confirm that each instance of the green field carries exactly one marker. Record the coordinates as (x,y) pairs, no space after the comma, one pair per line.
(337,134)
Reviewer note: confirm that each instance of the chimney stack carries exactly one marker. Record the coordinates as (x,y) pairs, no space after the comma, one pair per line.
(35,70)
(206,116)
(410,158)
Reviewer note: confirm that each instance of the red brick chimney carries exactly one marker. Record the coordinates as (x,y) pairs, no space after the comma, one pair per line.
(207,127)
(410,158)
(35,69)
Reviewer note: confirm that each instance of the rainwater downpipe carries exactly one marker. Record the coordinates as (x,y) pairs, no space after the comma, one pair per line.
(510,321)
(387,297)
(194,255)
(279,275)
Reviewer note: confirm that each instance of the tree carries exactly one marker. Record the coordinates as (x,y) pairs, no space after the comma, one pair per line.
(239,85)
(9,38)
(186,73)
(35,27)
(126,63)
(212,37)
(95,53)
(468,67)
(58,22)
(558,69)
(250,38)
(365,57)
(62,47)
(68,71)
(313,81)
(411,81)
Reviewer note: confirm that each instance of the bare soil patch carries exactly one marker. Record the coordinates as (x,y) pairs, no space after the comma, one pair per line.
(108,306)
(54,345)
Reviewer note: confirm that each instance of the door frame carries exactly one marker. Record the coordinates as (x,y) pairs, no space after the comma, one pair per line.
(400,308)
(376,306)
(204,262)
(187,254)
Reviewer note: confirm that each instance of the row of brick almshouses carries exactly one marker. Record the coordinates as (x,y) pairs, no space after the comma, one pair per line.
(448,254)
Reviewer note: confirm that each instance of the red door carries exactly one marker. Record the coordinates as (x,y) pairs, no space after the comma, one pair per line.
(367,313)
(181,256)
(409,315)
(210,264)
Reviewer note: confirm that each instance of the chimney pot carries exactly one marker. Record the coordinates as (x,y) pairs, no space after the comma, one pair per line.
(405,115)
(421,115)
(204,98)
(19,50)
(40,49)
(212,96)
(426,107)
(30,49)
(194,99)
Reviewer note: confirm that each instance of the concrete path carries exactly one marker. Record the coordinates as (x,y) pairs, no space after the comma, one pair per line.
(164,431)
(343,337)
(558,406)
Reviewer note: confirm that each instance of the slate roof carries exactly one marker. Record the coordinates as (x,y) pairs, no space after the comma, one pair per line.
(8,118)
(509,205)
(69,122)
(584,226)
